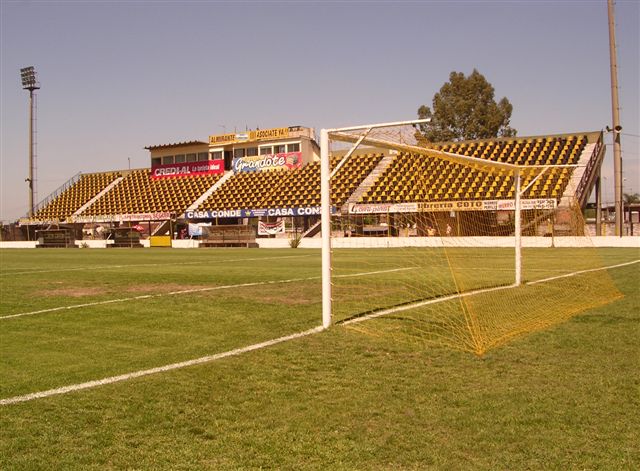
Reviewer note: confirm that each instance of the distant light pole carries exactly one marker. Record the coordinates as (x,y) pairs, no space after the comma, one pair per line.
(30,82)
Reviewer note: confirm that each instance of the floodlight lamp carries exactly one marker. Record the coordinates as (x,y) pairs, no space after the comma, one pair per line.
(616,130)
(28,76)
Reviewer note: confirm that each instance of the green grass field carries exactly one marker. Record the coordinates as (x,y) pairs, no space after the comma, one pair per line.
(562,398)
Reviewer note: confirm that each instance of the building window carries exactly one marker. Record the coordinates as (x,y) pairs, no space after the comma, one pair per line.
(295,147)
(180,158)
(216,155)
(266,150)
(202,156)
(191,157)
(237,153)
(279,149)
(167,159)
(252,151)
(156,161)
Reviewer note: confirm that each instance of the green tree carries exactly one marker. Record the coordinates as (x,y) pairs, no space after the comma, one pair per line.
(465,108)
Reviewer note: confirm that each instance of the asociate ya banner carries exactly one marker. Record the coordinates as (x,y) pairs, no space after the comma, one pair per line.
(187,169)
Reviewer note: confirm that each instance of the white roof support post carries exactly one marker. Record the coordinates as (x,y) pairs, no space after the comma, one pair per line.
(325,201)
(518,229)
(348,154)
(536,178)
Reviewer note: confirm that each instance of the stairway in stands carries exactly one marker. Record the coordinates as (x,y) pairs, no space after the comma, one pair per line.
(368,182)
(97,197)
(206,194)
(578,174)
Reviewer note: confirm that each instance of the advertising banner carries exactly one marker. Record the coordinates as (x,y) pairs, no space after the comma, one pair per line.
(195,230)
(252,213)
(288,160)
(383,208)
(270,228)
(256,135)
(440,206)
(510,205)
(187,169)
(157,216)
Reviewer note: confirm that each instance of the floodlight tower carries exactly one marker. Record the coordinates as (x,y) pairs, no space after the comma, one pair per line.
(617,128)
(30,82)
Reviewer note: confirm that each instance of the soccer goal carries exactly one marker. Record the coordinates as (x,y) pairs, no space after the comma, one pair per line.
(440,245)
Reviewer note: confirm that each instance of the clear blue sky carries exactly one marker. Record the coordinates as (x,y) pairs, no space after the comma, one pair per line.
(118,76)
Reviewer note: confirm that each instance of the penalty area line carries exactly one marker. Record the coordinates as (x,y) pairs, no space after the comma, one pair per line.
(188,291)
(159,369)
(150,296)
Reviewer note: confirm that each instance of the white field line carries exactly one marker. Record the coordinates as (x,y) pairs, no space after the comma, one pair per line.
(110,267)
(407,307)
(159,369)
(391,270)
(150,296)
(567,275)
(186,291)
(257,346)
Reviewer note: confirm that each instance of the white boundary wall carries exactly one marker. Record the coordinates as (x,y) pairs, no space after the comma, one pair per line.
(94,244)
(18,244)
(388,242)
(185,244)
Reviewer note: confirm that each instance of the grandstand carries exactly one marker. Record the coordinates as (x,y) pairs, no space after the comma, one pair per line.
(452,182)
(137,193)
(68,202)
(246,177)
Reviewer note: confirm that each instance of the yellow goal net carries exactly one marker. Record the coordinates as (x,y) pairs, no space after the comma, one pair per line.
(443,248)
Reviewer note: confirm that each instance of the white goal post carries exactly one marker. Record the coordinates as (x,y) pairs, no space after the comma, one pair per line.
(325,201)
(358,135)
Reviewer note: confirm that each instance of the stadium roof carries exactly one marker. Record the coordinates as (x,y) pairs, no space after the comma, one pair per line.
(591,135)
(483,165)
(176,144)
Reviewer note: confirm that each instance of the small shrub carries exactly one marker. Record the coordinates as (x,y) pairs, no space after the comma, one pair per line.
(295,239)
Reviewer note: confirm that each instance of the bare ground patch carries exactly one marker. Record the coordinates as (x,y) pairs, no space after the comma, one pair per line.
(163,287)
(287,294)
(72,292)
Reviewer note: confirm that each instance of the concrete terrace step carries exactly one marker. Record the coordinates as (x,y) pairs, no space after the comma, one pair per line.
(208,193)
(577,175)
(82,208)
(368,182)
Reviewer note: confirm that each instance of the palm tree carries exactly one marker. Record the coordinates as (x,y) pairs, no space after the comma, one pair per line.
(629,198)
